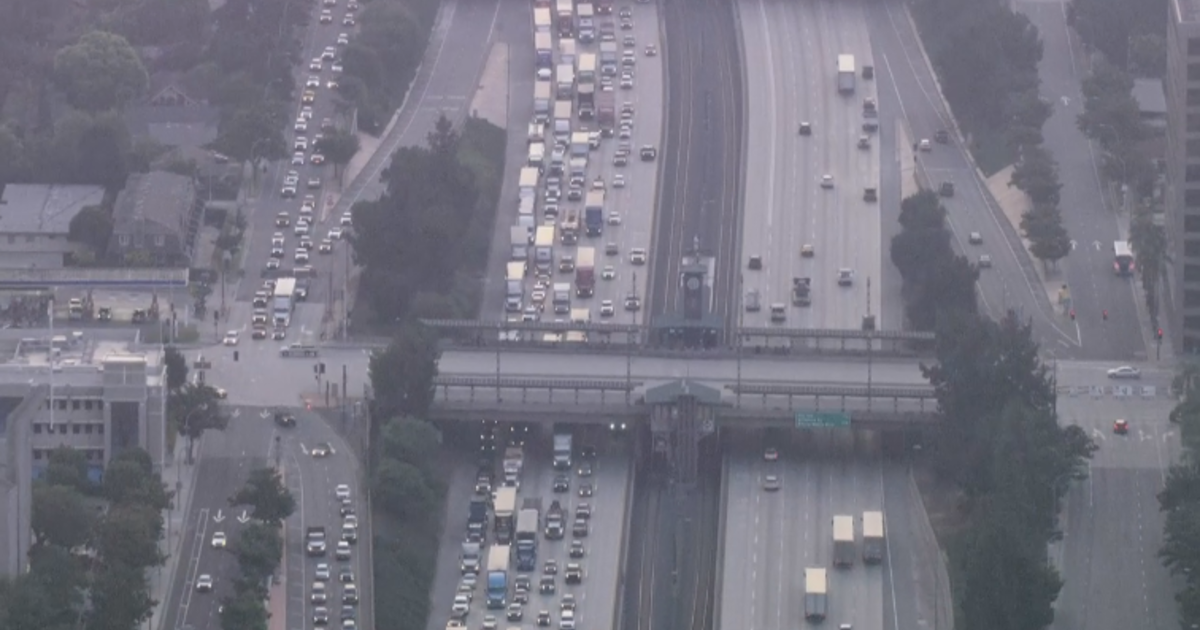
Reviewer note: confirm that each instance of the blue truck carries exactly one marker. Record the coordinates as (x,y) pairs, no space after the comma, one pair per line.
(527,532)
(497,577)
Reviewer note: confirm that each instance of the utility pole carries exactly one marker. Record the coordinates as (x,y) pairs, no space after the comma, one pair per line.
(629,346)
(738,338)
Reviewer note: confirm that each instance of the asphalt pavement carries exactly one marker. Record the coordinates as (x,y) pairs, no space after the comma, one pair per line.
(601,564)
(908,95)
(791,52)
(699,200)
(1090,219)
(312,481)
(224,460)
(1112,526)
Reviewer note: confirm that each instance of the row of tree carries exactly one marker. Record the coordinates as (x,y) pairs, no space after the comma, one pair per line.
(1130,34)
(935,279)
(986,56)
(422,243)
(259,549)
(999,439)
(94,546)
(407,491)
(1112,119)
(1179,499)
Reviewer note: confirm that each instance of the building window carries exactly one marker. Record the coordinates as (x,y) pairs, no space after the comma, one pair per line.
(1191,249)
(100,429)
(1191,273)
(62,404)
(99,404)
(76,405)
(87,405)
(1193,72)
(1193,46)
(1192,173)
(76,429)
(28,238)
(1191,199)
(37,428)
(124,238)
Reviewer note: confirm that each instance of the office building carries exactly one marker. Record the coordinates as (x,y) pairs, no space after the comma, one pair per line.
(68,390)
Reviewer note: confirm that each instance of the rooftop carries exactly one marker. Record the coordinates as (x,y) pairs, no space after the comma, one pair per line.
(157,197)
(44,208)
(1150,97)
(73,357)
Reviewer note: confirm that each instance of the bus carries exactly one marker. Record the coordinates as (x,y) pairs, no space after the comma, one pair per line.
(1123,264)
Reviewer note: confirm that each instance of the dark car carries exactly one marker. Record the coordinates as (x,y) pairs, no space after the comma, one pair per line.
(285,419)
(546,585)
(561,483)
(322,450)
(585,489)
(259,333)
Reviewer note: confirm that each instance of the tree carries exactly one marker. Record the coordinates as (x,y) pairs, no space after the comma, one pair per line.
(92,227)
(244,611)
(62,577)
(1111,115)
(120,598)
(265,493)
(400,489)
(414,441)
(126,482)
(259,550)
(14,163)
(26,604)
(100,72)
(177,368)
(402,374)
(1053,244)
(1036,173)
(1112,26)
(68,467)
(1148,240)
(922,211)
(339,147)
(128,535)
(196,409)
(1007,583)
(253,133)
(60,517)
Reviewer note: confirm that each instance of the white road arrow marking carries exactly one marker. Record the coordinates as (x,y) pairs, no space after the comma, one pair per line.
(264,414)
(1073,244)
(1096,244)
(236,412)
(303,448)
(219,517)
(1066,101)
(1168,435)
(242,518)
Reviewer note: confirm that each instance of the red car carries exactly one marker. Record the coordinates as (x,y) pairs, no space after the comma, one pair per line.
(1121,427)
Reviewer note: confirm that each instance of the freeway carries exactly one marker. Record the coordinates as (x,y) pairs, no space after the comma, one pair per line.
(791,54)
(1112,526)
(312,481)
(908,95)
(224,460)
(1092,223)
(698,201)
(771,537)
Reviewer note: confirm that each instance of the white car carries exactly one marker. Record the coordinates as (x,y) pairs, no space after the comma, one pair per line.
(637,256)
(313,81)
(298,158)
(301,256)
(323,572)
(316,65)
(231,338)
(609,273)
(336,67)
(347,220)
(607,309)
(614,218)
(1125,371)
(218,540)
(827,181)
(342,491)
(300,126)
(329,54)
(343,39)
(204,583)
(619,180)
(335,234)
(300,143)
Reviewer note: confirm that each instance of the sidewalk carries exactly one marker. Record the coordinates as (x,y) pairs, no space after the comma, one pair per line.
(491,95)
(1014,202)
(178,477)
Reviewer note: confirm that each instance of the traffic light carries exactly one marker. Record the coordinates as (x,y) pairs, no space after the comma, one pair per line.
(1072,314)
(1160,334)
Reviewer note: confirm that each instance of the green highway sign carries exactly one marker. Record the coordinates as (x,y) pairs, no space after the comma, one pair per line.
(821,419)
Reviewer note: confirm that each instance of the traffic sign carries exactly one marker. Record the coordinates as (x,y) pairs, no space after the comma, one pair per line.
(811,419)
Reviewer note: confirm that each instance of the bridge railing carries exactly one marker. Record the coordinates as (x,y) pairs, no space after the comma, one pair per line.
(537,389)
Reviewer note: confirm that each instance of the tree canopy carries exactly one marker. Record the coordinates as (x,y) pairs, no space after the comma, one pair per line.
(402,374)
(935,279)
(100,72)
(1179,499)
(265,493)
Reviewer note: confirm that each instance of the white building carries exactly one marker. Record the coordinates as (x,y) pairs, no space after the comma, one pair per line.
(35,220)
(95,396)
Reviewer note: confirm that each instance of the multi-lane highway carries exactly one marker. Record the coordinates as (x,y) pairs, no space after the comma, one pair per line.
(313,480)
(699,202)
(601,562)
(772,536)
(791,58)
(1088,216)
(1112,526)
(908,97)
